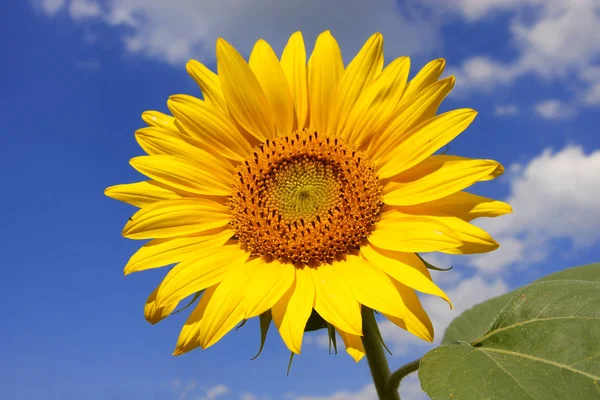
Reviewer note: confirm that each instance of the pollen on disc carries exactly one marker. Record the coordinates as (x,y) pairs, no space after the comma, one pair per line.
(304,199)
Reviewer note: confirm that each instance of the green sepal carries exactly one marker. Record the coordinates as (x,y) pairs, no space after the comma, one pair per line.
(241,324)
(369,320)
(196,296)
(433,267)
(265,321)
(332,338)
(315,322)
(290,363)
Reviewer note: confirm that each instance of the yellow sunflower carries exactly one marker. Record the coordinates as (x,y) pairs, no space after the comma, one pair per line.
(296,186)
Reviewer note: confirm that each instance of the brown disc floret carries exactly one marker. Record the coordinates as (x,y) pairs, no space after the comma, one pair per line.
(304,199)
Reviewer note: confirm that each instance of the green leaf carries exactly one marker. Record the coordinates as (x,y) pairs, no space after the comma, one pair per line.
(543,345)
(474,322)
(590,272)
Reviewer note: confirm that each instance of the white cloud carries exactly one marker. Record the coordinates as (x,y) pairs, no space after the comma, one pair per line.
(410,388)
(250,396)
(366,393)
(177,31)
(320,338)
(483,73)
(554,109)
(80,9)
(591,77)
(554,39)
(191,390)
(473,10)
(214,392)
(555,196)
(552,36)
(507,110)
(50,7)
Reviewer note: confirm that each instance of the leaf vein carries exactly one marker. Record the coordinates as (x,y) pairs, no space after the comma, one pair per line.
(505,328)
(534,358)
(509,374)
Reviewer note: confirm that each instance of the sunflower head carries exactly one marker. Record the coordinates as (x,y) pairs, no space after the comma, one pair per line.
(299,190)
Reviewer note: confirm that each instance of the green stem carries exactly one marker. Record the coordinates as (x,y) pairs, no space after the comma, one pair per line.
(393,383)
(376,357)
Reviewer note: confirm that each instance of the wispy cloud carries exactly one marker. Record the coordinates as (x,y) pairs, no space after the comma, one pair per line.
(366,393)
(189,30)
(509,110)
(554,109)
(192,390)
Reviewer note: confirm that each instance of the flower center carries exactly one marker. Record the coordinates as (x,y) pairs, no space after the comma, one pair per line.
(304,199)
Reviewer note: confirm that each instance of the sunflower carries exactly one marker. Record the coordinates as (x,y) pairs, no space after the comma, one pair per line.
(296,188)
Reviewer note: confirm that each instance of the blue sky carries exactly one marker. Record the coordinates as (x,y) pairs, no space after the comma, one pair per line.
(77,75)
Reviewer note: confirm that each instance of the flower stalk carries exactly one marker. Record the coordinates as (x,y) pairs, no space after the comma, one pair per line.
(380,370)
(393,383)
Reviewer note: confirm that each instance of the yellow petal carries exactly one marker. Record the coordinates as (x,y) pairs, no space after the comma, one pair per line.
(325,67)
(170,218)
(292,311)
(246,100)
(151,139)
(423,141)
(209,84)
(265,65)
(265,287)
(360,72)
(156,141)
(370,285)
(495,173)
(416,320)
(434,178)
(475,240)
(225,310)
(293,62)
(160,120)
(209,126)
(155,314)
(160,252)
(464,205)
(193,275)
(140,194)
(188,337)
(405,268)
(353,344)
(425,77)
(408,116)
(406,233)
(200,176)
(335,301)
(377,102)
